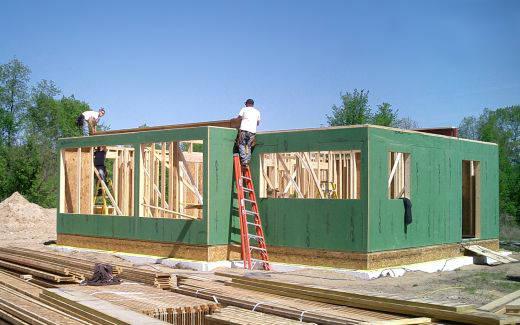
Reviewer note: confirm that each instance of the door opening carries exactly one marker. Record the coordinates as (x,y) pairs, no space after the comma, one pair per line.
(470,199)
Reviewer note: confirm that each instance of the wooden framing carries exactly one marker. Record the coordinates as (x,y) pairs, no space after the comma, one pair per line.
(78,178)
(311,175)
(172,178)
(398,175)
(169,188)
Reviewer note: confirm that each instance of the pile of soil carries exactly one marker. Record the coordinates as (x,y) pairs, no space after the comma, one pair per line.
(21,220)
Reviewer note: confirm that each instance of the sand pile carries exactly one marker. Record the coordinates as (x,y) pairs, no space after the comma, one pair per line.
(21,219)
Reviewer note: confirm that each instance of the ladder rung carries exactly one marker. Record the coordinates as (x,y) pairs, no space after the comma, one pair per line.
(245,189)
(247,200)
(257,248)
(256,237)
(253,224)
(252,213)
(245,177)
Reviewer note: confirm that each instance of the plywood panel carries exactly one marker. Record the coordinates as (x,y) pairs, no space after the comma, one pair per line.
(78,180)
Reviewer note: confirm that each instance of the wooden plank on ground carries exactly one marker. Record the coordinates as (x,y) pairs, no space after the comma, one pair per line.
(513,307)
(479,250)
(499,304)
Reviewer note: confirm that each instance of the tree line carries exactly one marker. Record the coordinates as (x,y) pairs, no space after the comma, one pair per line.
(501,126)
(33,116)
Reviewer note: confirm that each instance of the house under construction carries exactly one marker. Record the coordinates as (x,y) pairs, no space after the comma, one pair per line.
(327,196)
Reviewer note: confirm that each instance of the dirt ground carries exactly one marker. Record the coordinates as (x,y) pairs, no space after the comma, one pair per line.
(25,223)
(28,225)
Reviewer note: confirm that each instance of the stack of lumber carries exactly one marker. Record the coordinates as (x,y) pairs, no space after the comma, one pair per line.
(20,303)
(76,269)
(167,306)
(238,316)
(37,267)
(287,307)
(381,303)
(158,279)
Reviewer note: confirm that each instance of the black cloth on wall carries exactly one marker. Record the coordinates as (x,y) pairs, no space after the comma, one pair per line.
(407,210)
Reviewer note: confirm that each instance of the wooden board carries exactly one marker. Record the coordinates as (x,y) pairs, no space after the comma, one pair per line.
(239,316)
(221,123)
(479,250)
(78,179)
(499,304)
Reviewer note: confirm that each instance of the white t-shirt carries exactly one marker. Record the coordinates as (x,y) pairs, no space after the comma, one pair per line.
(90,114)
(250,119)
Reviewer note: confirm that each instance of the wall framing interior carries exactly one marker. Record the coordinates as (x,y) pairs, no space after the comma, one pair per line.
(311,175)
(171,180)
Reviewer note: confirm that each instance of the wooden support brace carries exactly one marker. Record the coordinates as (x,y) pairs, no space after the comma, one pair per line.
(105,187)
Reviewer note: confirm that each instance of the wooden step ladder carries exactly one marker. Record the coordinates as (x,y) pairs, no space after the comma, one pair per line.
(251,244)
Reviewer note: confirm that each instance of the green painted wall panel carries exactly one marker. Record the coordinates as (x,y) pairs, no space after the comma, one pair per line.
(314,223)
(373,223)
(436,190)
(154,229)
(135,227)
(339,225)
(220,184)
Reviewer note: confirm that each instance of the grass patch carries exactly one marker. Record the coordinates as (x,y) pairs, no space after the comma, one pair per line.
(485,281)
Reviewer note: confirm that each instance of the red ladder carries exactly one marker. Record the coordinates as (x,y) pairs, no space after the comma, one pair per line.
(244,184)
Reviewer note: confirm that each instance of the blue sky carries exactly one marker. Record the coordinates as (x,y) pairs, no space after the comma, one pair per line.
(166,62)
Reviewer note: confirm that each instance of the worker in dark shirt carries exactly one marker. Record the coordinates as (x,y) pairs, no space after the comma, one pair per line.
(99,162)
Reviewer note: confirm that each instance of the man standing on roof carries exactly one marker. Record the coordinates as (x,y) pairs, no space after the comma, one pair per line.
(89,120)
(249,118)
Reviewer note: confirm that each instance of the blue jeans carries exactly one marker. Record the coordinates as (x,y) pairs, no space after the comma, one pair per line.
(85,128)
(245,142)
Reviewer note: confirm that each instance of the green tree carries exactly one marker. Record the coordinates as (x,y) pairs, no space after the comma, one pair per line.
(49,119)
(385,115)
(501,126)
(31,122)
(406,123)
(354,109)
(14,99)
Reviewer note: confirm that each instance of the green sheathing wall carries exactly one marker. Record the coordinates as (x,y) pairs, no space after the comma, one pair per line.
(153,229)
(339,225)
(220,184)
(436,189)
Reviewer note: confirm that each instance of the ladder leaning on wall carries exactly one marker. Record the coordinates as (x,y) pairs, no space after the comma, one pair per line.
(249,217)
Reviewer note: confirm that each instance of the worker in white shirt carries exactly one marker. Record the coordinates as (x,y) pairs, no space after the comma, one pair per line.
(89,120)
(249,118)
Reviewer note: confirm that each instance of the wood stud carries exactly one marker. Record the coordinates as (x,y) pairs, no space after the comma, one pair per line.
(315,175)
